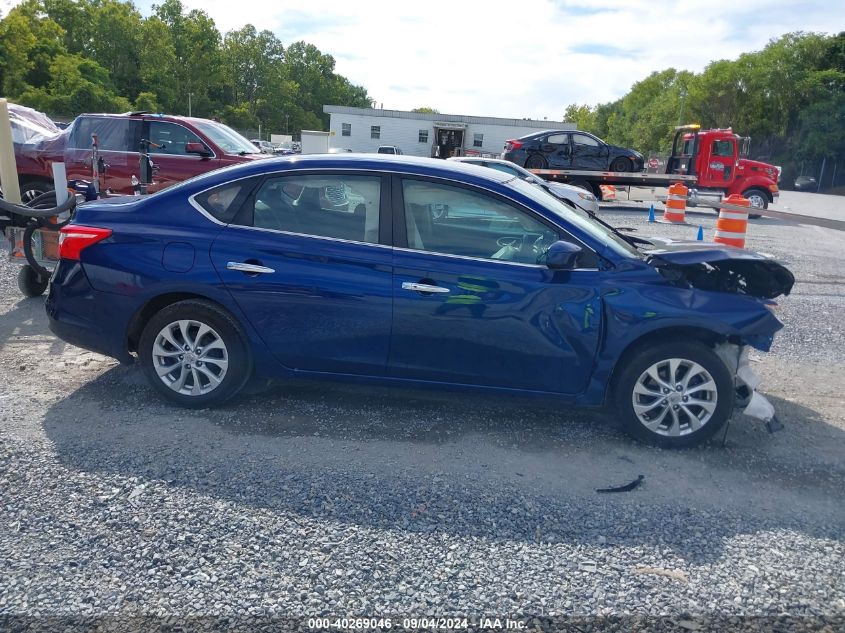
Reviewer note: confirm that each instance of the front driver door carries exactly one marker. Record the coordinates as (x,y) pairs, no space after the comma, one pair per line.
(167,151)
(305,261)
(721,164)
(471,303)
(588,153)
(557,151)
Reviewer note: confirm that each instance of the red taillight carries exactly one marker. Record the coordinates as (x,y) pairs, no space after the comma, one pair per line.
(74,238)
(512,145)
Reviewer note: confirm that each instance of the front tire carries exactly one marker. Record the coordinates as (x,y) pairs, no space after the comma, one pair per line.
(674,395)
(194,353)
(621,164)
(758,199)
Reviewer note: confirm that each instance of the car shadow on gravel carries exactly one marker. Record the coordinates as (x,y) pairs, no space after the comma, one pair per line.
(26,319)
(491,467)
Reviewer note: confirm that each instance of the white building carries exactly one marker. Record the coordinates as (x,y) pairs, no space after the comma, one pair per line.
(418,134)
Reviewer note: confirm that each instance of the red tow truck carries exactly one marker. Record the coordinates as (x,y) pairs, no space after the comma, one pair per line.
(711,163)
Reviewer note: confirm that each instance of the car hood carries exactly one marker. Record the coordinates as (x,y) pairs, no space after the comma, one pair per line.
(571,189)
(720,268)
(625,150)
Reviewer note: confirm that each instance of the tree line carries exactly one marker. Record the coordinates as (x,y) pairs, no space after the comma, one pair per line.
(789,97)
(65,57)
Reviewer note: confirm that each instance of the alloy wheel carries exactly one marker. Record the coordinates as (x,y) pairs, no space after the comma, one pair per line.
(674,397)
(756,201)
(190,357)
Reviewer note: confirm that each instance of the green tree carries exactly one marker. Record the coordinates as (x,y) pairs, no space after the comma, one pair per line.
(115,28)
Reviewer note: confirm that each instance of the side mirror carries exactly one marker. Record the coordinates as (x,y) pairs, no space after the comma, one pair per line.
(197,148)
(562,255)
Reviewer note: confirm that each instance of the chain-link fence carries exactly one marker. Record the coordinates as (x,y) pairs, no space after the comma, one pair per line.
(825,176)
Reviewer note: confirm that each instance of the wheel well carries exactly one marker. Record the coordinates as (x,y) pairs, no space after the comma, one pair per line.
(765,192)
(142,316)
(22,178)
(684,333)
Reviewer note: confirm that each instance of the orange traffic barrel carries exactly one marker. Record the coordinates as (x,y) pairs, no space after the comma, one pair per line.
(608,192)
(732,223)
(676,203)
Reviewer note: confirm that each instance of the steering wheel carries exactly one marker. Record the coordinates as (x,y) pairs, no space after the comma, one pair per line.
(510,240)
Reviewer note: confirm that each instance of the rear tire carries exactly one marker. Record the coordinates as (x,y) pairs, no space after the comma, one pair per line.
(30,283)
(662,416)
(31,189)
(535,161)
(195,354)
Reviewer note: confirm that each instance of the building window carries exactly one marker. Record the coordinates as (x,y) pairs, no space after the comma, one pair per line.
(347,129)
(375,131)
(423,136)
(477,140)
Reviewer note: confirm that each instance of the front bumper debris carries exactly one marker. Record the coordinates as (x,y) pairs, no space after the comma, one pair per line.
(746,381)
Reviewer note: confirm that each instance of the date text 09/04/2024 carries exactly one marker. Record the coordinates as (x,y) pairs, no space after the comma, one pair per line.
(417,624)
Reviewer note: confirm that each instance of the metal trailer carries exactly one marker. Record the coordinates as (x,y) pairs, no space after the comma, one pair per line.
(640,186)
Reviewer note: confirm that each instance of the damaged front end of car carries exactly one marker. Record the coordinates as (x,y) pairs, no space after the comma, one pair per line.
(725,269)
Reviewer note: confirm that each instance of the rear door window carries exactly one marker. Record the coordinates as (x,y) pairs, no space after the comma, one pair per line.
(339,206)
(558,139)
(114,134)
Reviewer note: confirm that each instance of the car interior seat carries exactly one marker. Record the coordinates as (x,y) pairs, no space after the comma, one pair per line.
(274,211)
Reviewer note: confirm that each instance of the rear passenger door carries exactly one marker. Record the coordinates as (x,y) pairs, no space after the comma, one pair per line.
(557,151)
(119,141)
(307,258)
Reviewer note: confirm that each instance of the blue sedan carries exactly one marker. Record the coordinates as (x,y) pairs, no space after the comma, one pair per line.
(416,272)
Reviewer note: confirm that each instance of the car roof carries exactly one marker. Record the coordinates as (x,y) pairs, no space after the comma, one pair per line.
(150,116)
(480,159)
(414,165)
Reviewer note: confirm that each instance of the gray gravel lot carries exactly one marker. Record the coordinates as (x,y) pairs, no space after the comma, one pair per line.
(336,499)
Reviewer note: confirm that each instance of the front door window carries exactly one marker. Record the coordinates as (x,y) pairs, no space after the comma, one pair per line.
(455,221)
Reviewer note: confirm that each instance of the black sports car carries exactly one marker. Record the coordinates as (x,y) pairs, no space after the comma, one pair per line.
(565,149)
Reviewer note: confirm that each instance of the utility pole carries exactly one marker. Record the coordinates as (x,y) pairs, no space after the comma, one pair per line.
(190,94)
(683,100)
(287,128)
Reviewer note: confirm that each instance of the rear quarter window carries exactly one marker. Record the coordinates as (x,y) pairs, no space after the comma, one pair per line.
(223,202)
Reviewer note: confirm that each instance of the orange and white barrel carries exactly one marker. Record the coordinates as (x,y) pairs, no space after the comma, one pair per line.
(676,203)
(608,192)
(732,224)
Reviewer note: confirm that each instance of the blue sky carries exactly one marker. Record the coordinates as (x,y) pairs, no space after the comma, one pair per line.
(519,59)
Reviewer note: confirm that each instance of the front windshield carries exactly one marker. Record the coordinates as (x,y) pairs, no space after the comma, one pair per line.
(596,230)
(226,138)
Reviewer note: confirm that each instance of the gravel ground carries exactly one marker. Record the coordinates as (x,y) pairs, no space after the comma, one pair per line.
(120,512)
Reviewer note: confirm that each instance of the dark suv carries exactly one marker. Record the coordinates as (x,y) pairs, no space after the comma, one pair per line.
(181,147)
(567,149)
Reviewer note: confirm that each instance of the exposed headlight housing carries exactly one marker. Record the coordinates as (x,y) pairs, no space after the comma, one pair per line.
(586,196)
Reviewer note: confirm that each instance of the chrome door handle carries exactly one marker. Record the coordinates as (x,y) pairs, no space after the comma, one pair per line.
(409,285)
(254,269)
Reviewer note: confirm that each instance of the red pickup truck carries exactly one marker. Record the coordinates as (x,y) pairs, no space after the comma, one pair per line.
(180,148)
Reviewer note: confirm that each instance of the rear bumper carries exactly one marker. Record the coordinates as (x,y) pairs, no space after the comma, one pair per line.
(84,317)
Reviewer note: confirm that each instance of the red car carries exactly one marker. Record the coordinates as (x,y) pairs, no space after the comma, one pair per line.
(180,148)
